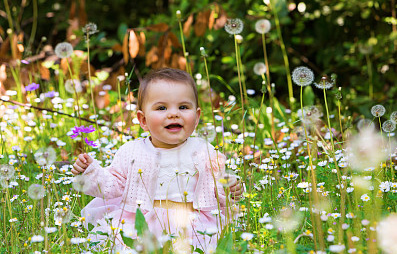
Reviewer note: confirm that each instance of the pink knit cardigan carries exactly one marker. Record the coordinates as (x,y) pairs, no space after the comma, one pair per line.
(134,170)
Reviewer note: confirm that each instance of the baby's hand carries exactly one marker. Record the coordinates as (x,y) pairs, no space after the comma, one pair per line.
(81,164)
(236,190)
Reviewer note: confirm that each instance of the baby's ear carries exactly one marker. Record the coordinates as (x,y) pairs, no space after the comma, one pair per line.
(198,113)
(142,120)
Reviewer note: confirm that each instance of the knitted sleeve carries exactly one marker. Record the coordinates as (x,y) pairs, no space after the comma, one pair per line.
(109,182)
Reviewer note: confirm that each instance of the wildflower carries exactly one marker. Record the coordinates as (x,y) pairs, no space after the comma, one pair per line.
(73,85)
(90,143)
(203,52)
(37,239)
(62,216)
(6,171)
(82,129)
(24,61)
(302,76)
(77,240)
(63,49)
(388,126)
(234,26)
(378,110)
(246,236)
(80,183)
(365,198)
(393,117)
(387,234)
(178,14)
(325,83)
(259,68)
(32,87)
(262,26)
(49,230)
(50,94)
(36,191)
(90,28)
(337,248)
(13,220)
(207,132)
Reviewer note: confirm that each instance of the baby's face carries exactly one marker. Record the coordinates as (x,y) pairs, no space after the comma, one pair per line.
(169,113)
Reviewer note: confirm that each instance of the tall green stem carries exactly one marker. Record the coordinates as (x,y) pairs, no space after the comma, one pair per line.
(91,88)
(184,48)
(285,56)
(210,93)
(370,77)
(34,24)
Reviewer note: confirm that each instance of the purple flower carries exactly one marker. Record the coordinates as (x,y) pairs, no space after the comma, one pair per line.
(50,94)
(24,61)
(32,87)
(82,129)
(90,143)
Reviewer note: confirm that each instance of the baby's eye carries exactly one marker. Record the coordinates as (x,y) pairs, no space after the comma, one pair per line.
(161,108)
(183,107)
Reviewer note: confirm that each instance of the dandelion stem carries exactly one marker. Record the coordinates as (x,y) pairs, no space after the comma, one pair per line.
(91,88)
(268,81)
(314,184)
(184,48)
(210,93)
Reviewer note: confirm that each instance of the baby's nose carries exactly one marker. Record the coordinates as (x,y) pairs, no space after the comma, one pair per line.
(173,113)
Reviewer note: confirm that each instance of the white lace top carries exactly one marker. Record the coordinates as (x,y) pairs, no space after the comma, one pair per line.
(177,174)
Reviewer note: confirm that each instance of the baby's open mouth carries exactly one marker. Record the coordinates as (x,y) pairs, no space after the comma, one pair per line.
(173,126)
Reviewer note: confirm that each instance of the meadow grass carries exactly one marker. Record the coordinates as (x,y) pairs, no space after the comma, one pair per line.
(309,187)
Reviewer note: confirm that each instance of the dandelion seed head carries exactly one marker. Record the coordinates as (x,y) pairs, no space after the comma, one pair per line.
(207,132)
(365,150)
(324,83)
(259,68)
(388,126)
(234,26)
(36,191)
(311,115)
(72,85)
(262,26)
(6,171)
(302,76)
(378,110)
(90,28)
(63,49)
(80,183)
(365,124)
(45,156)
(393,117)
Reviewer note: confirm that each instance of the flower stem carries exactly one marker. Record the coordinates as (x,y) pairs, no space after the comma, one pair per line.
(285,56)
(184,48)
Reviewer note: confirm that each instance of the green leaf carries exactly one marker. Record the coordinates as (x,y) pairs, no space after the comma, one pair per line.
(225,244)
(140,222)
(308,96)
(121,31)
(127,240)
(90,226)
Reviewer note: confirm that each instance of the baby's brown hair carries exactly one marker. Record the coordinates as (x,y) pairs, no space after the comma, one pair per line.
(166,74)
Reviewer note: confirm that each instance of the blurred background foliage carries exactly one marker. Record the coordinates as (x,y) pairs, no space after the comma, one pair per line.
(355,39)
